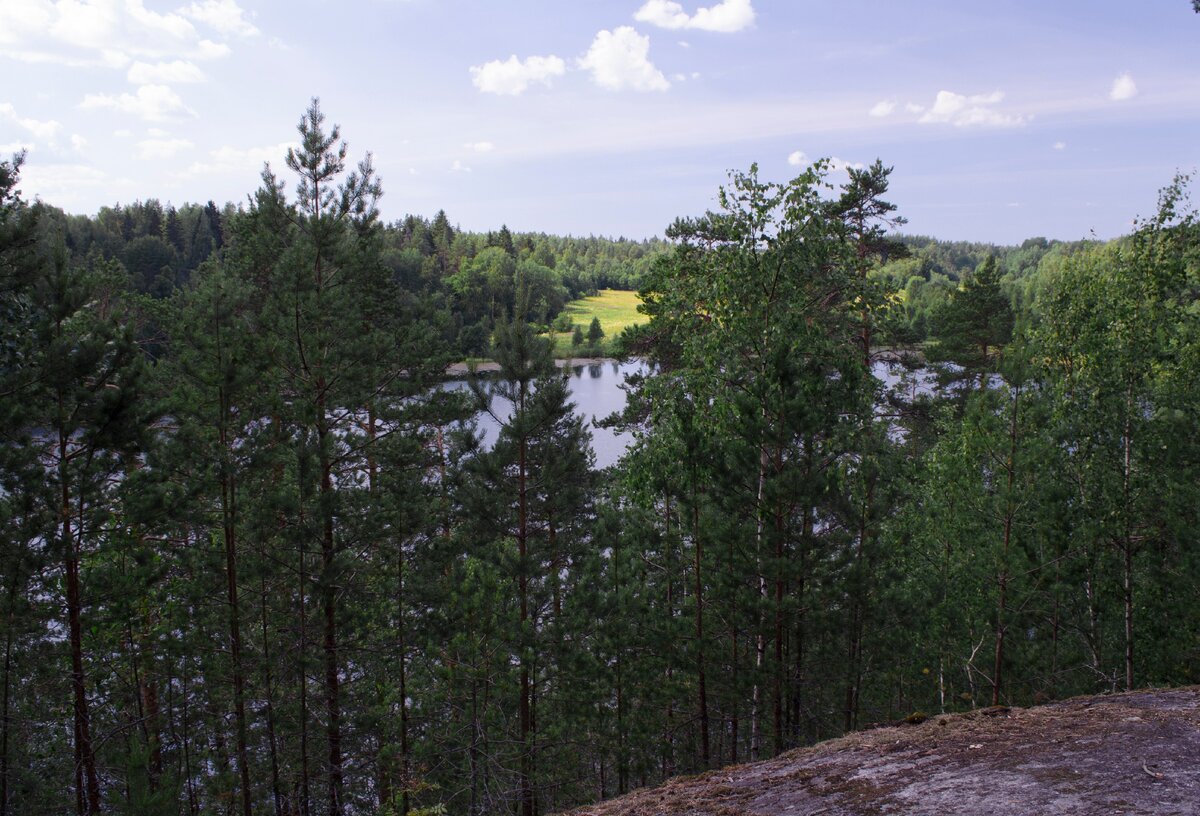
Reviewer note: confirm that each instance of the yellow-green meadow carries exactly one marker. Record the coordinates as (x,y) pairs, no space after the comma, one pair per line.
(616,310)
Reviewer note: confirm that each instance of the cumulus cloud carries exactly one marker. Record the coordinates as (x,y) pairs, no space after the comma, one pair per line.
(480,147)
(459,167)
(154,103)
(799,158)
(227,159)
(46,130)
(725,17)
(177,71)
(225,16)
(1123,88)
(969,111)
(884,108)
(61,183)
(837,165)
(1060,145)
(619,59)
(512,76)
(78,143)
(152,149)
(208,50)
(113,33)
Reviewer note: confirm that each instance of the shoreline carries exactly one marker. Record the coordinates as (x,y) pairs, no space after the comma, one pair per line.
(463,368)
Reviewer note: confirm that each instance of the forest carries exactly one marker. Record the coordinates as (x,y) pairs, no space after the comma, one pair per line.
(255,560)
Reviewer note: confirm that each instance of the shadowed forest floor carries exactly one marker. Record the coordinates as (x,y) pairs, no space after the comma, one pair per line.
(1133,753)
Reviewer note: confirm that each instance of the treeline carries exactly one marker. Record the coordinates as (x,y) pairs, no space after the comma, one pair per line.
(470,276)
(254,560)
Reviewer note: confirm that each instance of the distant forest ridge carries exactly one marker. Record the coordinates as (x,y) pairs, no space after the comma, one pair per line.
(472,274)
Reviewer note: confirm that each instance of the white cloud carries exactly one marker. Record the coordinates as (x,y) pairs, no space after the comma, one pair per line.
(837,165)
(512,76)
(61,184)
(225,16)
(833,164)
(618,60)
(8,148)
(1060,145)
(459,167)
(42,130)
(107,24)
(480,147)
(684,44)
(152,149)
(1123,88)
(884,108)
(230,160)
(163,24)
(18,18)
(144,73)
(78,143)
(914,108)
(112,33)
(725,17)
(154,103)
(969,111)
(207,50)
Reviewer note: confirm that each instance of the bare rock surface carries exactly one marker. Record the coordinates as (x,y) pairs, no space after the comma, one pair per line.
(1133,753)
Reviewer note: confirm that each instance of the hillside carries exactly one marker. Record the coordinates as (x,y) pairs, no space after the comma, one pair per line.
(1134,753)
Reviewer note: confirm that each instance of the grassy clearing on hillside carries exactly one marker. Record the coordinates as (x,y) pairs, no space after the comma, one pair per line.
(616,310)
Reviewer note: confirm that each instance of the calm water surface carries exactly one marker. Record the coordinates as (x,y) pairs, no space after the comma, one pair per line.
(596,391)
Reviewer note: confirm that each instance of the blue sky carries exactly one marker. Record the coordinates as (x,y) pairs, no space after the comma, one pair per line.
(1003,119)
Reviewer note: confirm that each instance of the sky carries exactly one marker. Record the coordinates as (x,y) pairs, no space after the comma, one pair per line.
(1003,120)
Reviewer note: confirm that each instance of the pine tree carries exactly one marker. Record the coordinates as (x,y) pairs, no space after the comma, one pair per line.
(90,377)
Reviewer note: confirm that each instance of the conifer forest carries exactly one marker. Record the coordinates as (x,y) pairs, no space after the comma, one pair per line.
(256,557)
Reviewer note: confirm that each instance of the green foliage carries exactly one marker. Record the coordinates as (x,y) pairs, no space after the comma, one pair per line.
(594,333)
(256,556)
(974,324)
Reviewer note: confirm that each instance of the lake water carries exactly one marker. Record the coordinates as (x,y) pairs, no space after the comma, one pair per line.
(596,391)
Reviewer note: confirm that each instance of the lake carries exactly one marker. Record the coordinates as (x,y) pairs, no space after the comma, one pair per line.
(596,391)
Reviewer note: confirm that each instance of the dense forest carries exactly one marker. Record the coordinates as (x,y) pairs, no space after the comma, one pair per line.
(467,277)
(253,559)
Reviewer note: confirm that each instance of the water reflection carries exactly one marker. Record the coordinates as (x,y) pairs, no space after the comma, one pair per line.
(595,389)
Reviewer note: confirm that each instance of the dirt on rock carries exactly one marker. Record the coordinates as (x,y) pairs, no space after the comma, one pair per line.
(1133,753)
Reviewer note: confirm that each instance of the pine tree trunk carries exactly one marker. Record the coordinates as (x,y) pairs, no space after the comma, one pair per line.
(526,773)
(87,782)
(1127,539)
(5,703)
(401,648)
(269,692)
(1002,594)
(701,687)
